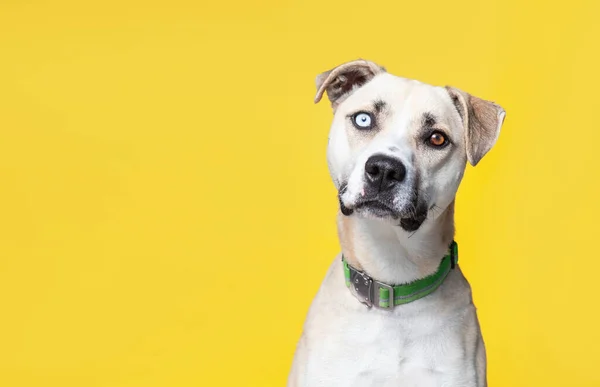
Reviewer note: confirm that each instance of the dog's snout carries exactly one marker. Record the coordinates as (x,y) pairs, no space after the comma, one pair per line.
(384,172)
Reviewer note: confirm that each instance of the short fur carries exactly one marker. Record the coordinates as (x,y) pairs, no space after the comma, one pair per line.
(436,340)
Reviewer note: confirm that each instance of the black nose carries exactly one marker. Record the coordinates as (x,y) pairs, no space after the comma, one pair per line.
(384,172)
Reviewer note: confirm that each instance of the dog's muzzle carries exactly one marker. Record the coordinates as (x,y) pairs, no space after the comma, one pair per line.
(384,178)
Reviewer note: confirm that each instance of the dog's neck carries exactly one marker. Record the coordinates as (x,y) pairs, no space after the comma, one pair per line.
(389,254)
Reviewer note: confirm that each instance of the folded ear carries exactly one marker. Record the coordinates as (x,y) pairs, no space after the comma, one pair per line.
(342,80)
(482,121)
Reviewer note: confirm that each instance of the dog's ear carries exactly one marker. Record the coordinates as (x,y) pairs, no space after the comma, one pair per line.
(482,121)
(342,80)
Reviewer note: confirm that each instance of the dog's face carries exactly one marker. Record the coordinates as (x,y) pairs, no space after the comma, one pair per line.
(397,147)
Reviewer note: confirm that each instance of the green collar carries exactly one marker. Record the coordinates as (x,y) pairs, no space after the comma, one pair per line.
(378,294)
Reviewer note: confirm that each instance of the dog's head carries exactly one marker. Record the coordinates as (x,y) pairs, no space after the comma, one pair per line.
(398,147)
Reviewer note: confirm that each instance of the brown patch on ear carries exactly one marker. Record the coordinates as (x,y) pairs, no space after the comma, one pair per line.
(340,81)
(346,237)
(482,120)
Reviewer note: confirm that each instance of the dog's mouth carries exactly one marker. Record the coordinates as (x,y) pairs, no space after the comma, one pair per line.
(410,220)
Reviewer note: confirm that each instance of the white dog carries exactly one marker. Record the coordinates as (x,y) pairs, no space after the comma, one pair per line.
(394,308)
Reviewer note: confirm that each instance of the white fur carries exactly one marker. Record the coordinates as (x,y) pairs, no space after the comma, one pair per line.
(434,341)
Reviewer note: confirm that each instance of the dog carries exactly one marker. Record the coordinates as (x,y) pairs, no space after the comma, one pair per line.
(394,308)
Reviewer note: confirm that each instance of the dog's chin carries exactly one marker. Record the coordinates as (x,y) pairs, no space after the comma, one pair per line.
(380,210)
(377,210)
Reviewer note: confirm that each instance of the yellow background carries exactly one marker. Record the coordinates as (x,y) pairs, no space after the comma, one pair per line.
(166,211)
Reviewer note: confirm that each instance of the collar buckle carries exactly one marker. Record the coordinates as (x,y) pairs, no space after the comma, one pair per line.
(362,285)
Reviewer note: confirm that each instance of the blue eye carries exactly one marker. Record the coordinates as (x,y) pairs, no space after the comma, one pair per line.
(362,120)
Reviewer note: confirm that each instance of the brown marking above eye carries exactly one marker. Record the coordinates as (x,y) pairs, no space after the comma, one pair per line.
(437,139)
(428,120)
(379,105)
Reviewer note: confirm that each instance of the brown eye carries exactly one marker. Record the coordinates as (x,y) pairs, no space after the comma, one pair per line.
(437,139)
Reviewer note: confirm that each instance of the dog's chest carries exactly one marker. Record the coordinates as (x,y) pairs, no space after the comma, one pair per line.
(369,351)
(350,345)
